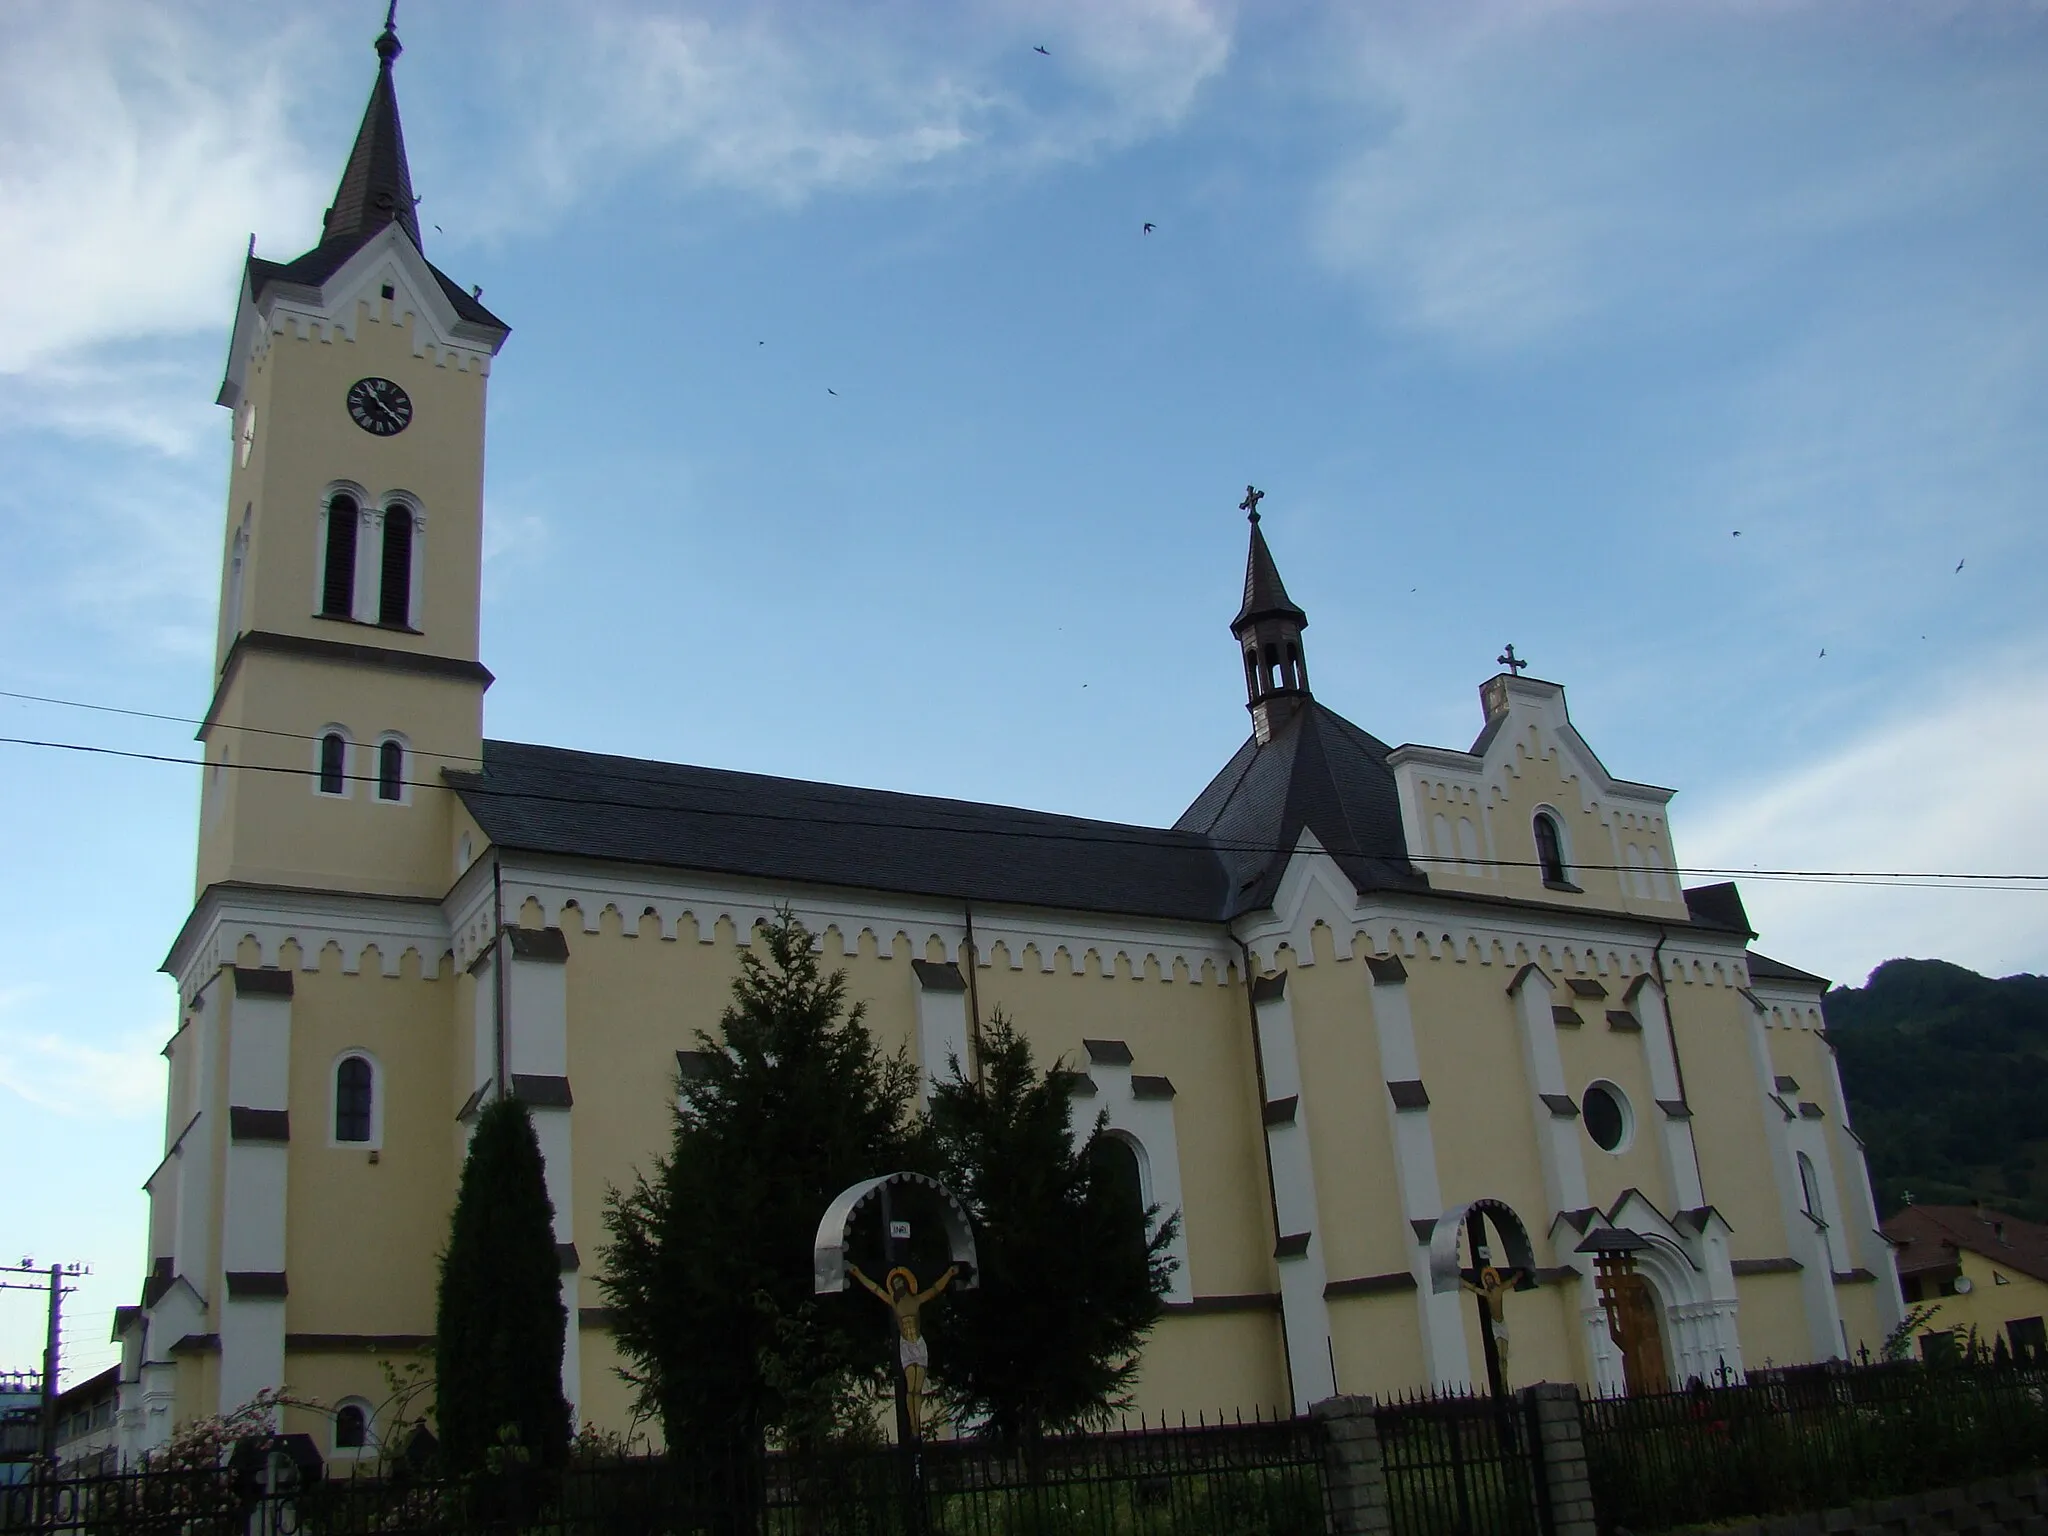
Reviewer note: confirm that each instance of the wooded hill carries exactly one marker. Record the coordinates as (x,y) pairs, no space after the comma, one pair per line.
(1947,1077)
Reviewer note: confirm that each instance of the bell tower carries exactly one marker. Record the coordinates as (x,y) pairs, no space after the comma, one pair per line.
(346,673)
(1268,628)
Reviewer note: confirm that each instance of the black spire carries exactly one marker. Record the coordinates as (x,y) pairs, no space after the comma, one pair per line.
(376,187)
(1268,628)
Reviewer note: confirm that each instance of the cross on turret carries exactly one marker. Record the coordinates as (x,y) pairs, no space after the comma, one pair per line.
(1512,662)
(1250,505)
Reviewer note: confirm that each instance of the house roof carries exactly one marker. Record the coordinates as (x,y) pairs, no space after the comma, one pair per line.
(1265,595)
(375,190)
(1764,968)
(376,184)
(586,804)
(1928,1237)
(1718,906)
(1320,774)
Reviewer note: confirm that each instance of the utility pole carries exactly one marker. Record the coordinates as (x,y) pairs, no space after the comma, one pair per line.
(54,1284)
(47,1442)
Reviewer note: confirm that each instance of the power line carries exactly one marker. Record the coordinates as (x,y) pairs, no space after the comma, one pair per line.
(224,725)
(1135,837)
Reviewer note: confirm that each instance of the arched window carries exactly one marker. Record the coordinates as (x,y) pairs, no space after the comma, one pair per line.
(338,575)
(394,596)
(391,770)
(1251,669)
(1550,850)
(1272,665)
(354,1098)
(333,764)
(1809,1189)
(1118,1191)
(351,1427)
(231,604)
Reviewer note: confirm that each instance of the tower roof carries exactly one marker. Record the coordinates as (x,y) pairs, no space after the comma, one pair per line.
(1265,596)
(376,185)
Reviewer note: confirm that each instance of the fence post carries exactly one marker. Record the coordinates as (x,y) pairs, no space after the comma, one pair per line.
(1354,1476)
(1561,1455)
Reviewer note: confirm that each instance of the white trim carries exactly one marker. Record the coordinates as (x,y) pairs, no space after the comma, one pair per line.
(376,1141)
(271,917)
(439,334)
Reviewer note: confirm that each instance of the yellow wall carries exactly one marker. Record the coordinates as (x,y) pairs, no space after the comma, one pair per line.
(1990,1304)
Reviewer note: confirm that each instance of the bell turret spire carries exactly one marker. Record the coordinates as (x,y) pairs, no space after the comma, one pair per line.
(376,186)
(1268,628)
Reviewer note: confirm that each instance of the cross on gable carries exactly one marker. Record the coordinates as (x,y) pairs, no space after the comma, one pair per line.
(1511,661)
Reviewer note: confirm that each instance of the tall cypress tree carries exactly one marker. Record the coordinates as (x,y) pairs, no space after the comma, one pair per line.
(709,1270)
(500,1324)
(1073,1263)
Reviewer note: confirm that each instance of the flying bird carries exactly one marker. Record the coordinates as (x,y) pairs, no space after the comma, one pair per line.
(1041,48)
(1823,652)
(1738,533)
(1149,228)
(1960,563)
(830,390)
(437,229)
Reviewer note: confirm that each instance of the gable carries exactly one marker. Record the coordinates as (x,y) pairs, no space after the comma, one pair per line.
(1470,816)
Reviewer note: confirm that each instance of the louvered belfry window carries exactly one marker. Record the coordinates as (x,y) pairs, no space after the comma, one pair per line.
(338,585)
(394,598)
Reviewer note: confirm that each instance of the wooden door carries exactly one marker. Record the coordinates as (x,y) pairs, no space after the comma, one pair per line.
(1641,1336)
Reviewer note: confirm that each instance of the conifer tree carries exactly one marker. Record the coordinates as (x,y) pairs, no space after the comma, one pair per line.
(709,1267)
(500,1324)
(1073,1263)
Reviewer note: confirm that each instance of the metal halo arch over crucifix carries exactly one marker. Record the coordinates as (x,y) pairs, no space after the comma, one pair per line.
(1488,1277)
(828,1252)
(898,1288)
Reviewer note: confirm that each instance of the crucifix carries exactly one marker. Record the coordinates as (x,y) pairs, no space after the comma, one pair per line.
(1250,504)
(1511,661)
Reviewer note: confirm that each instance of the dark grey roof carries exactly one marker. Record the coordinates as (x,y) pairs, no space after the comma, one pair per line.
(1718,906)
(549,800)
(1320,773)
(326,258)
(1764,968)
(376,184)
(1264,594)
(375,190)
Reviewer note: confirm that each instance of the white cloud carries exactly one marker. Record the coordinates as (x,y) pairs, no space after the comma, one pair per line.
(783,101)
(1944,786)
(139,147)
(1531,167)
(124,1081)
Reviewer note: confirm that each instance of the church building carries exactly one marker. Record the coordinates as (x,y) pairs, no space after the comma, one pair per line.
(1352,990)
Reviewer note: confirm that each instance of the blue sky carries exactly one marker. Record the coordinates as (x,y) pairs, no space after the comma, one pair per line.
(1517,309)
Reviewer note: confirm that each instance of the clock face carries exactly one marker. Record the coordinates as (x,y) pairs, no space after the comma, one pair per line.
(379,406)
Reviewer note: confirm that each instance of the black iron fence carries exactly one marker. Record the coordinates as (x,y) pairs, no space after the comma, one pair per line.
(1457,1464)
(1810,1439)
(1216,1480)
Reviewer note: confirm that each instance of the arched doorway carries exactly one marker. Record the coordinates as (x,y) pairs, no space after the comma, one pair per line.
(1635,1316)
